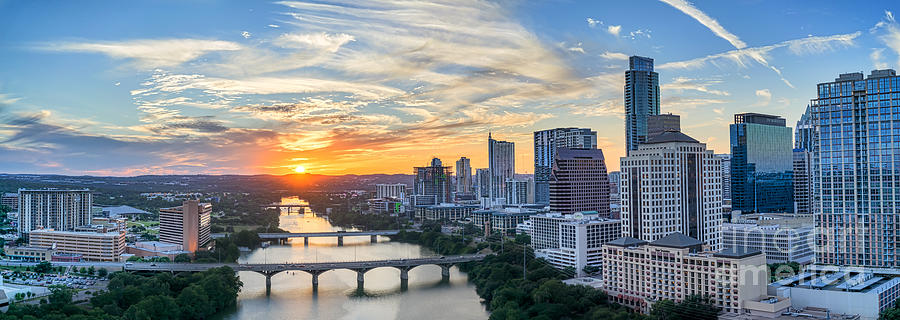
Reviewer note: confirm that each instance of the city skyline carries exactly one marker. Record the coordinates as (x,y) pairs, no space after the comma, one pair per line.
(256,88)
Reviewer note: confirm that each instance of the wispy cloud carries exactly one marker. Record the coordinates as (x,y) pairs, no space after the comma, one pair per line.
(680,84)
(319,40)
(712,24)
(593,22)
(148,53)
(765,97)
(759,55)
(890,36)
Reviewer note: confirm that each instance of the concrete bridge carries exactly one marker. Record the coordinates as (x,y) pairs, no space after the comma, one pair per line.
(290,207)
(282,237)
(315,269)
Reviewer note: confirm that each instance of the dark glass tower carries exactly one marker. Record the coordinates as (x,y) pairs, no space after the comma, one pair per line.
(761,164)
(641,99)
(546,142)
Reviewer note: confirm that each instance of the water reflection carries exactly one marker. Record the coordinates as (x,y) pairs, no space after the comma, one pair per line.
(424,296)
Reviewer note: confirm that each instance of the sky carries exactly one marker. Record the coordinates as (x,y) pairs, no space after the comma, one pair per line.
(360,87)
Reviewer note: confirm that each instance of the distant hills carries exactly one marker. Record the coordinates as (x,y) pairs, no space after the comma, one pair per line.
(204,183)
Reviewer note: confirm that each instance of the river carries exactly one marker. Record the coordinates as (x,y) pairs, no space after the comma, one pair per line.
(337,297)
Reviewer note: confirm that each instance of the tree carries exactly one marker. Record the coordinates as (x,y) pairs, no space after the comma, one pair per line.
(43,267)
(589,269)
(153,307)
(102,273)
(83,270)
(60,296)
(183,258)
(134,259)
(692,307)
(891,313)
(194,303)
(91,270)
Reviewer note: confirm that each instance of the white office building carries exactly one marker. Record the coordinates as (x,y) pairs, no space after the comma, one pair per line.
(580,242)
(672,183)
(519,191)
(779,243)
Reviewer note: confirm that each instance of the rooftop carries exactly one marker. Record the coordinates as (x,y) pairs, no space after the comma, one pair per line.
(737,253)
(677,240)
(670,136)
(627,242)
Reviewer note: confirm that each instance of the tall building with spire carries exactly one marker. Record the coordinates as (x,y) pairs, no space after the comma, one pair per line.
(501,164)
(641,99)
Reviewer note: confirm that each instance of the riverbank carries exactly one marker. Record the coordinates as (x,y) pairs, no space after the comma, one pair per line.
(508,293)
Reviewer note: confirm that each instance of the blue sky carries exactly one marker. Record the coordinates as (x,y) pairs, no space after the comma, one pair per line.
(127,88)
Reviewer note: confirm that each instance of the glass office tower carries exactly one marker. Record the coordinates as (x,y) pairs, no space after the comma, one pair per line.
(641,99)
(856,157)
(761,164)
(546,142)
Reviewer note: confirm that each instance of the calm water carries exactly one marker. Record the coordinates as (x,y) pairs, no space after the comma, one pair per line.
(292,296)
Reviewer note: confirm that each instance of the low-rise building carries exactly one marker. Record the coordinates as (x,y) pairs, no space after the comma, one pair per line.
(392,206)
(779,243)
(859,291)
(445,211)
(92,246)
(155,249)
(504,221)
(30,254)
(638,273)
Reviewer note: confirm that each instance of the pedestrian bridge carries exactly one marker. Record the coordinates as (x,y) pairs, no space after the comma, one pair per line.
(282,237)
(315,269)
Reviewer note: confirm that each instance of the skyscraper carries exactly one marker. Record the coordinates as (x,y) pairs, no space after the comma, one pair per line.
(519,191)
(186,225)
(58,209)
(855,169)
(641,99)
(502,165)
(803,182)
(726,174)
(672,183)
(463,175)
(660,123)
(579,182)
(761,164)
(433,180)
(545,144)
(482,183)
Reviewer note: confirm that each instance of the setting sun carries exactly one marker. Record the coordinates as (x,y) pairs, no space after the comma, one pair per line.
(299,169)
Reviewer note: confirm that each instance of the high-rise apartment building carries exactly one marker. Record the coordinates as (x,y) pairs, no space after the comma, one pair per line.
(11,200)
(672,183)
(502,165)
(761,164)
(186,225)
(390,190)
(641,99)
(804,134)
(615,197)
(726,174)
(463,175)
(579,182)
(433,180)
(855,168)
(519,191)
(545,144)
(61,210)
(482,183)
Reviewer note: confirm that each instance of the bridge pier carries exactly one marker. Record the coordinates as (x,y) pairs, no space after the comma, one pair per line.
(360,278)
(340,241)
(374,238)
(404,274)
(445,271)
(306,241)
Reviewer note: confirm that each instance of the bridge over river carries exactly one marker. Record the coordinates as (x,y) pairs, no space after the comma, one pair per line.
(282,237)
(315,269)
